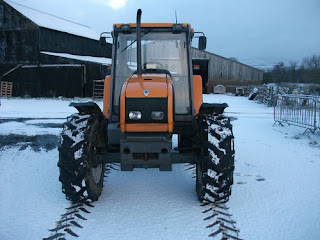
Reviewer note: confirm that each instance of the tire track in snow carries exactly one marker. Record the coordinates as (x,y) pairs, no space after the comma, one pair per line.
(218,218)
(69,220)
(75,214)
(222,225)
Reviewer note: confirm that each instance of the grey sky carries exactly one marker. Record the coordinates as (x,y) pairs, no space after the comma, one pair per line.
(257,32)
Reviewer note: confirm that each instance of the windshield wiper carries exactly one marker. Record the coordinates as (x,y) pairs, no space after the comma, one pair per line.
(142,35)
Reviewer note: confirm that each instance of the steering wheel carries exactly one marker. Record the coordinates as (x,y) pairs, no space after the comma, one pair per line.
(158,65)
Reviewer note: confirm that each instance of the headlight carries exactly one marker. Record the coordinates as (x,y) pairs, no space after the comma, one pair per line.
(135,115)
(157,115)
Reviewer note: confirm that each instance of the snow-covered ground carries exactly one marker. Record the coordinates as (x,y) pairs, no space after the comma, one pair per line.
(276,193)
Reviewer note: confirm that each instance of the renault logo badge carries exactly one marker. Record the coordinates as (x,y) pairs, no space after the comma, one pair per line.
(146,92)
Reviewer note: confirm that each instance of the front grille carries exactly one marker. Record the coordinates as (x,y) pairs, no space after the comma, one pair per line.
(146,106)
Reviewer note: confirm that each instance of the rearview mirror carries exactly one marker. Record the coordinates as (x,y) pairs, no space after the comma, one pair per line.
(103,41)
(202,43)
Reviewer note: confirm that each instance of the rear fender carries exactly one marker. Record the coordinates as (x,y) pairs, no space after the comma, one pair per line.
(212,108)
(86,107)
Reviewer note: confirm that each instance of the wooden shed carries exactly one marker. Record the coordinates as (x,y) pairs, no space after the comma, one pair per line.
(218,70)
(44,55)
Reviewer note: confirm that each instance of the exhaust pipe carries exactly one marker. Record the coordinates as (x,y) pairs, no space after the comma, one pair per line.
(139,64)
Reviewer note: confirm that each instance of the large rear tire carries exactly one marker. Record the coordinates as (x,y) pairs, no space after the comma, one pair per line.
(80,176)
(214,175)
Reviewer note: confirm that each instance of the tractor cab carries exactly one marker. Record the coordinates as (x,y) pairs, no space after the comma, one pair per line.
(165,54)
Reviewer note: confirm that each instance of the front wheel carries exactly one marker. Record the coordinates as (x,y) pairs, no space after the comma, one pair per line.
(80,176)
(214,174)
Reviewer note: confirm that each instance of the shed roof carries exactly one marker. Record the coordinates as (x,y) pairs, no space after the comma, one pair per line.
(101,60)
(46,20)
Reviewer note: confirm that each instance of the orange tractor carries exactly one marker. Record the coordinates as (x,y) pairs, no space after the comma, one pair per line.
(150,96)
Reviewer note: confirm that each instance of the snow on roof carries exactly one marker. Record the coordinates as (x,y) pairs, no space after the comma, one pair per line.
(102,60)
(50,21)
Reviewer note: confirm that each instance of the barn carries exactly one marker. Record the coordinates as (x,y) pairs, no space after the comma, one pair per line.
(43,55)
(217,70)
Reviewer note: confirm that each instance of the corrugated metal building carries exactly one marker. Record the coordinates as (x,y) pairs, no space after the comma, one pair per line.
(44,55)
(218,70)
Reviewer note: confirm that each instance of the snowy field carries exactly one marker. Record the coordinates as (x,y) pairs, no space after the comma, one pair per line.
(276,193)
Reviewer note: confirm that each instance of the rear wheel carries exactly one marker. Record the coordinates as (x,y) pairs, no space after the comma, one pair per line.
(80,176)
(214,175)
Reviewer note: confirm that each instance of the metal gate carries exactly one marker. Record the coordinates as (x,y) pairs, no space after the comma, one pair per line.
(299,110)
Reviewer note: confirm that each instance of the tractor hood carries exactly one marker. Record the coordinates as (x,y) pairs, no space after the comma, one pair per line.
(150,85)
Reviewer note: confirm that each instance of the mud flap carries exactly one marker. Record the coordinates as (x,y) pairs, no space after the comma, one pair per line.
(86,107)
(212,108)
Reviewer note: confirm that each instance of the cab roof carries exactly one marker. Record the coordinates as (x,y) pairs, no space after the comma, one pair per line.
(151,25)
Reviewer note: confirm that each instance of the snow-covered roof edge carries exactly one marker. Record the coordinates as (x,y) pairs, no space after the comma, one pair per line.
(101,60)
(50,21)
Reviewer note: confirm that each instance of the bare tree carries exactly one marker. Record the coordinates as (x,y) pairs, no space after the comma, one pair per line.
(312,64)
(293,71)
(307,72)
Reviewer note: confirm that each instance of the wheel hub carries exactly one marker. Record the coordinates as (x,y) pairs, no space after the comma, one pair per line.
(96,173)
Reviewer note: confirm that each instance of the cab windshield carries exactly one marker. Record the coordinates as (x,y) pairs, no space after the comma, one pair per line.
(159,50)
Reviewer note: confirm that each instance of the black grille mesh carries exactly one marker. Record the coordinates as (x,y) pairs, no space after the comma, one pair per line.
(146,106)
